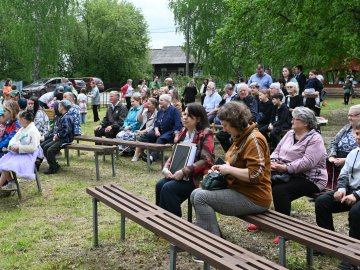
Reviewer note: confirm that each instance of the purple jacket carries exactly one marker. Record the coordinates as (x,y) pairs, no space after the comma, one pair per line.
(307,156)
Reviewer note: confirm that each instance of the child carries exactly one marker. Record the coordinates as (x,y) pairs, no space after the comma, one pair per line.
(312,85)
(82,102)
(2,122)
(279,119)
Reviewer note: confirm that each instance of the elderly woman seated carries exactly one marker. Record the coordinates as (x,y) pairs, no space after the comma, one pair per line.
(166,127)
(341,146)
(24,148)
(298,162)
(247,172)
(176,187)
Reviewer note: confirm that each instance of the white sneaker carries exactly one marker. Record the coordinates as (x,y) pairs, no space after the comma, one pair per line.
(10,186)
(135,158)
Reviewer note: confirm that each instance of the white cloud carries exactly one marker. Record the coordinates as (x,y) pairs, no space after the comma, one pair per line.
(160,22)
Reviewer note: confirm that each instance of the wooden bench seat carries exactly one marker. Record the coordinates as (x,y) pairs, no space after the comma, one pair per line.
(182,235)
(313,237)
(98,150)
(149,146)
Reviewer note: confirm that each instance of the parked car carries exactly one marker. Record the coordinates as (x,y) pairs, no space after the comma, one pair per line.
(77,83)
(41,86)
(98,82)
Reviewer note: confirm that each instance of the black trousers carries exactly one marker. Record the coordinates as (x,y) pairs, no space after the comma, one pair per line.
(111,134)
(346,98)
(285,193)
(224,139)
(150,137)
(95,112)
(51,148)
(325,205)
(170,194)
(128,102)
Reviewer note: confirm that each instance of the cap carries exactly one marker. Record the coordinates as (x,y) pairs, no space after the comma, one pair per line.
(66,103)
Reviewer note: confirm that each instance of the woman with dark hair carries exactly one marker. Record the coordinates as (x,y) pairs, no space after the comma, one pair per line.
(203,90)
(190,92)
(175,188)
(41,120)
(287,75)
(247,171)
(23,150)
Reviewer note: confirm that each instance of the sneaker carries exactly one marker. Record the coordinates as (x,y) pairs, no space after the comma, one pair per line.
(10,186)
(52,170)
(196,259)
(347,266)
(252,228)
(134,158)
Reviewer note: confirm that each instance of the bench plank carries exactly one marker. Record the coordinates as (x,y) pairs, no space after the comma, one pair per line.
(326,241)
(186,236)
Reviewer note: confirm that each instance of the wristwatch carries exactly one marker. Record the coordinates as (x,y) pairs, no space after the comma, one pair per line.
(356,195)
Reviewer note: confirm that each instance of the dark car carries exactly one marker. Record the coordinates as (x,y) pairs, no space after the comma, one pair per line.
(78,83)
(41,86)
(98,81)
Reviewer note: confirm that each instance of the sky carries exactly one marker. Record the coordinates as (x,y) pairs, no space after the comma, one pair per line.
(160,22)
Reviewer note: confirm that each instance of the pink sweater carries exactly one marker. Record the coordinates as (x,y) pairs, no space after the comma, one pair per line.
(307,156)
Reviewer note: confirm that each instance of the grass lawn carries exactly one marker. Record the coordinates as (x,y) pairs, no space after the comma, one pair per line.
(53,230)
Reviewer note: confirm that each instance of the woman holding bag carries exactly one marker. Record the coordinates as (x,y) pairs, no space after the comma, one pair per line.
(247,172)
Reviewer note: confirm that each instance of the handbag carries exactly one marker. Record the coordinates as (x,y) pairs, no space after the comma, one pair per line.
(214,181)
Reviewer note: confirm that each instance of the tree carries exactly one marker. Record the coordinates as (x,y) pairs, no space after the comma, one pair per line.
(120,52)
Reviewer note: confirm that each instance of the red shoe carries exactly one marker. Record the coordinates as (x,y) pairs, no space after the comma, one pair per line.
(252,228)
(276,240)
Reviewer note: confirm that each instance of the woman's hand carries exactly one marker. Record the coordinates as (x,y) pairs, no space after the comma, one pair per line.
(178,175)
(166,172)
(278,167)
(157,133)
(224,169)
(339,162)
(332,159)
(14,149)
(338,196)
(349,199)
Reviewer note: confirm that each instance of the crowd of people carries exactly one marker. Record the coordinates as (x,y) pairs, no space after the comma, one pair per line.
(273,150)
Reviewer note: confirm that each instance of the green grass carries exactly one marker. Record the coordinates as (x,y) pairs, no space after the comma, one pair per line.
(53,230)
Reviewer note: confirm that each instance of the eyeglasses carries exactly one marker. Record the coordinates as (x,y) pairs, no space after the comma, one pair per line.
(353,115)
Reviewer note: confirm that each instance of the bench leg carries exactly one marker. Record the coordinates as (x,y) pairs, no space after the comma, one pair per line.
(162,159)
(206,266)
(309,257)
(95,223)
(282,252)
(37,177)
(14,177)
(97,166)
(189,214)
(67,157)
(148,159)
(122,227)
(78,151)
(113,163)
(173,251)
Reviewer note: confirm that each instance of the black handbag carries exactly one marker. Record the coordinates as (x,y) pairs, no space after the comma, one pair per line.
(280,178)
(214,181)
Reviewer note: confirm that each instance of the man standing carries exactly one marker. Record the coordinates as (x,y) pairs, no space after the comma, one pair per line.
(114,118)
(155,82)
(263,79)
(95,100)
(300,77)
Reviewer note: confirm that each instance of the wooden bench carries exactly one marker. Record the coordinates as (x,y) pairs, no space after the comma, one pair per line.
(149,146)
(312,236)
(37,178)
(182,235)
(98,150)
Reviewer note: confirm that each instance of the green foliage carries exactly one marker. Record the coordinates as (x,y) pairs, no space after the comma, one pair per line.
(104,38)
(243,33)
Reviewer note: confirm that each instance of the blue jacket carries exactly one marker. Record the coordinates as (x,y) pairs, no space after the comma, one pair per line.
(168,121)
(131,119)
(11,127)
(66,129)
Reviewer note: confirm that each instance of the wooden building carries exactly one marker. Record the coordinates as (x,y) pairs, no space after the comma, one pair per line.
(170,60)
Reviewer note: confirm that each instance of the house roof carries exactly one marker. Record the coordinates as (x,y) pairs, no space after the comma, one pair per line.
(169,55)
